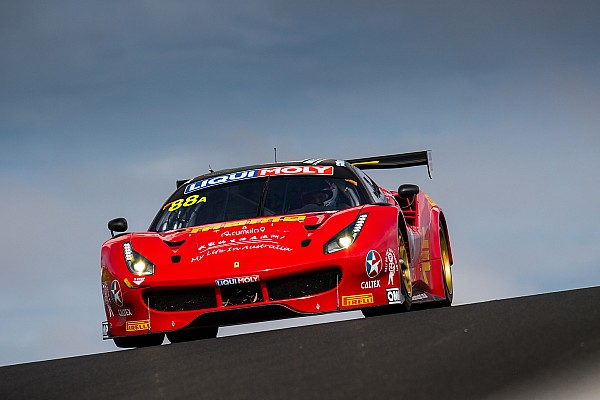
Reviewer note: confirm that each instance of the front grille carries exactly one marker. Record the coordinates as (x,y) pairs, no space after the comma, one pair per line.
(292,287)
(202,298)
(245,293)
(181,299)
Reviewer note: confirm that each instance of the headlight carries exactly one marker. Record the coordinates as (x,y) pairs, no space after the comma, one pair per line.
(346,237)
(137,263)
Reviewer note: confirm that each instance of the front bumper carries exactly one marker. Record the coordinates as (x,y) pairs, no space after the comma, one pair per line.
(160,309)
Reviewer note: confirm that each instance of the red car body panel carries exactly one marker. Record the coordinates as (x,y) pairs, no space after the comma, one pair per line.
(264,254)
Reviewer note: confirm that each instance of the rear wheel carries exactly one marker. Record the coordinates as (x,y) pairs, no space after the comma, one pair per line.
(187,335)
(446,268)
(151,339)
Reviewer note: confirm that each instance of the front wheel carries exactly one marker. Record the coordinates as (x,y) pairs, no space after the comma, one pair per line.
(405,279)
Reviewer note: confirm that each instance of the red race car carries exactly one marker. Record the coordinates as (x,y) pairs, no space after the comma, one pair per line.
(275,241)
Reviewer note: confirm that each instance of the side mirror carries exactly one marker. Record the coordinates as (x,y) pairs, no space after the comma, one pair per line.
(117,225)
(407,191)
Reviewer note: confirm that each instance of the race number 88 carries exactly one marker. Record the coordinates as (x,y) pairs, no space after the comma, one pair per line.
(187,202)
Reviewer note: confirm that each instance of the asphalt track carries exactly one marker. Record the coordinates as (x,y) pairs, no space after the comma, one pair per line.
(529,347)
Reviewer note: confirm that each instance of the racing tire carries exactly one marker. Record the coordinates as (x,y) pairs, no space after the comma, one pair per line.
(405,279)
(446,269)
(188,335)
(151,339)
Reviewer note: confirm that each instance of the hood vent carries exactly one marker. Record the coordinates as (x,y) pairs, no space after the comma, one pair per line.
(311,227)
(174,244)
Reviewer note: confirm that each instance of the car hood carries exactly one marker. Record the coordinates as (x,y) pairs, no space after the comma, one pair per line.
(266,244)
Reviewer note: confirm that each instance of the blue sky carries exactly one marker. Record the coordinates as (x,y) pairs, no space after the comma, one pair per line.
(104,105)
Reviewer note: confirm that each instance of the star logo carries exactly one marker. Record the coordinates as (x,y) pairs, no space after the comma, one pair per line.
(373,263)
(116,294)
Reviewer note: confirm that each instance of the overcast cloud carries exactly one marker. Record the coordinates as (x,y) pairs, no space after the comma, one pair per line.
(104,105)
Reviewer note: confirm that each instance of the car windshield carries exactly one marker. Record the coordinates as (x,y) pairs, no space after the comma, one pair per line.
(257,197)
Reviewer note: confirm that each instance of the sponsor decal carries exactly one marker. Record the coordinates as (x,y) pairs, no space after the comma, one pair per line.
(234,248)
(252,221)
(297,170)
(237,280)
(106,296)
(255,239)
(219,180)
(373,263)
(105,330)
(391,265)
(187,202)
(421,296)
(370,284)
(259,173)
(244,231)
(255,242)
(139,281)
(132,326)
(124,312)
(394,296)
(116,294)
(357,299)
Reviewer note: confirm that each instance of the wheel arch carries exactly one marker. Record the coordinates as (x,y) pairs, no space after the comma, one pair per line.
(404,232)
(443,225)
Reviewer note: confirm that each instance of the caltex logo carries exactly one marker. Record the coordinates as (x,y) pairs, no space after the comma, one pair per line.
(373,264)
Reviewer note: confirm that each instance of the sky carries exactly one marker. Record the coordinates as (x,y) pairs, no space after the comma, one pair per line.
(104,105)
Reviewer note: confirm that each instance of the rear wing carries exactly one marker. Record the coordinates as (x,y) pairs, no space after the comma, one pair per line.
(395,161)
